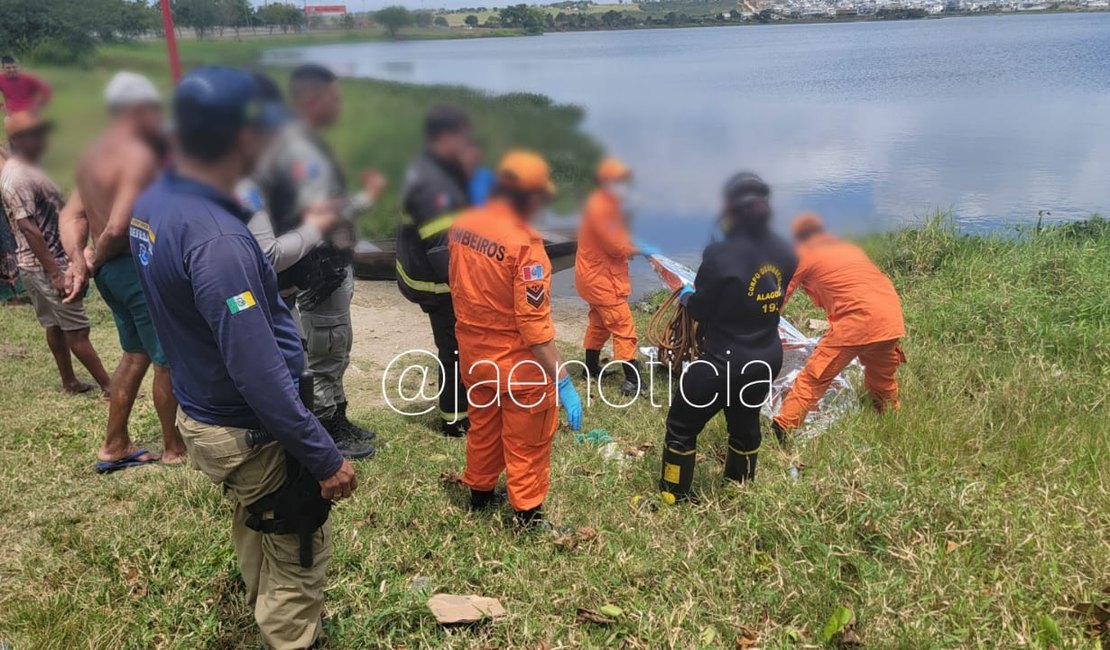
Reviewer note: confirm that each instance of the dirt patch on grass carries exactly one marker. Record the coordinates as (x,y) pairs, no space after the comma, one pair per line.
(385,324)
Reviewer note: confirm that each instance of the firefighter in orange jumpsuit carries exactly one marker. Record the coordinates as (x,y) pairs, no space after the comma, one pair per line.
(601,273)
(865,322)
(500,279)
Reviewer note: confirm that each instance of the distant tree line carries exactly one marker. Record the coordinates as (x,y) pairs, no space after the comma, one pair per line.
(394,19)
(65,31)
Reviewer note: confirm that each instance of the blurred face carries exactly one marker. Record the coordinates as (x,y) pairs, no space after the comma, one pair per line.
(459,148)
(532,205)
(11,69)
(148,122)
(619,189)
(322,107)
(31,145)
(471,158)
(750,213)
(249,148)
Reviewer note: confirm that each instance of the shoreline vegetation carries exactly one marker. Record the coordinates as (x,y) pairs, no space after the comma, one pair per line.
(977,516)
(51,34)
(381,124)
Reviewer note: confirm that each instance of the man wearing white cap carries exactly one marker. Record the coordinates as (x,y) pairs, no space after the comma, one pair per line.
(111,174)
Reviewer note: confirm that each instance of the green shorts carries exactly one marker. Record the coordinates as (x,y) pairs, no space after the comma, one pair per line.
(118,283)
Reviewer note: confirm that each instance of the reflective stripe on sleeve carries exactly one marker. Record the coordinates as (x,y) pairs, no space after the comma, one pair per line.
(421,285)
(436,226)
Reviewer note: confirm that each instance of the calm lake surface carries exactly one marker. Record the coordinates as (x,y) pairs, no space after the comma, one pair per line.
(871,124)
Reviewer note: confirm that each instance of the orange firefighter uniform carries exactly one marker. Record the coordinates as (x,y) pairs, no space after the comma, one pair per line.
(601,267)
(865,322)
(500,278)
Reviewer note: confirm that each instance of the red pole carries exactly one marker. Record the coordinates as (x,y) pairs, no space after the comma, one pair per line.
(171,41)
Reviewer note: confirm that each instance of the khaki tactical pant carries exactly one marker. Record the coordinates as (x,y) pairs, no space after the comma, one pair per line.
(327,328)
(287,598)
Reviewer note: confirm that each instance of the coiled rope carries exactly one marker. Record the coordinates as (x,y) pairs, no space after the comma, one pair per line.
(674,334)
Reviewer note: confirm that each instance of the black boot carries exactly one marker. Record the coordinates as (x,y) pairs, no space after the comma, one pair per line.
(530,518)
(678,475)
(740,465)
(593,364)
(485,499)
(355,430)
(457,429)
(633,384)
(348,444)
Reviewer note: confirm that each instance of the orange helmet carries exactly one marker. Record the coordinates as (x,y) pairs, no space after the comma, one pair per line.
(525,170)
(612,169)
(805,224)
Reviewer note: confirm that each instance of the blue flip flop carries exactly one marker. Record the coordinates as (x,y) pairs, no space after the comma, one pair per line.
(131,460)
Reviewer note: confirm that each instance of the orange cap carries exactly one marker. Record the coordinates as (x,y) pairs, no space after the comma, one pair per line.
(806,223)
(24,121)
(612,169)
(525,170)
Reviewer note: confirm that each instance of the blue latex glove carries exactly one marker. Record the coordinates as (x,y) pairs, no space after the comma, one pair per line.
(568,397)
(481,186)
(646,249)
(685,293)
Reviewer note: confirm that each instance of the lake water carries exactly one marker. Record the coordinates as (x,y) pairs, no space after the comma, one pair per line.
(870,124)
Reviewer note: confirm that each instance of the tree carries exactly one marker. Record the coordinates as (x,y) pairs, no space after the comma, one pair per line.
(284,16)
(612,18)
(200,15)
(471,21)
(531,19)
(347,22)
(236,14)
(393,19)
(440,21)
(132,19)
(422,19)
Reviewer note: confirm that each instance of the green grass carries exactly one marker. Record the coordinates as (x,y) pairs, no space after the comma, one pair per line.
(977,516)
(381,125)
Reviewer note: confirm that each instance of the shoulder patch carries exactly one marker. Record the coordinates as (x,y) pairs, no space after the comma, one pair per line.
(535,295)
(303,171)
(241,302)
(142,235)
(532,273)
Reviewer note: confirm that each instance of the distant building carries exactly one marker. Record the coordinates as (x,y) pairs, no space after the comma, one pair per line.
(325,11)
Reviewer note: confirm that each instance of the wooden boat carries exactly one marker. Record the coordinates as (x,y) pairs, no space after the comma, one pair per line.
(376,259)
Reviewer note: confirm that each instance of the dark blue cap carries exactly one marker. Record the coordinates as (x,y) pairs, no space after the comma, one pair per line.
(218,100)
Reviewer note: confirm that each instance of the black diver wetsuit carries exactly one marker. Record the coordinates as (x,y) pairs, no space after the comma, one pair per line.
(739,292)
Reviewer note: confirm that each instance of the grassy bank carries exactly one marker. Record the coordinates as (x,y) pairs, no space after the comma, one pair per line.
(977,516)
(380,127)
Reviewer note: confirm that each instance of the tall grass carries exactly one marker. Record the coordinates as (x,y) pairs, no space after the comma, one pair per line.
(976,517)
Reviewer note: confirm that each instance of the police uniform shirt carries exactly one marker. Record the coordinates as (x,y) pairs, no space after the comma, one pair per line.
(230,340)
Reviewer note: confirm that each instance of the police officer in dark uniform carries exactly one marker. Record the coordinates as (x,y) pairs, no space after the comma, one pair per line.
(435,192)
(236,358)
(735,300)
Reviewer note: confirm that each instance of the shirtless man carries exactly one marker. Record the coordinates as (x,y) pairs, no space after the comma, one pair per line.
(110,176)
